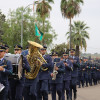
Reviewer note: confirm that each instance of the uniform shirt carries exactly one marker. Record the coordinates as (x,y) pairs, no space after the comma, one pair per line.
(59,76)
(45,75)
(25,52)
(1,59)
(67,72)
(4,74)
(74,72)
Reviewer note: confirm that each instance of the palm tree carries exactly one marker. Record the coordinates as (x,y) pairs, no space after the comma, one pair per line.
(69,9)
(43,9)
(79,35)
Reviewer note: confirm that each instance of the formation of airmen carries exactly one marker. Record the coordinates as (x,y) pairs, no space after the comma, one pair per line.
(62,77)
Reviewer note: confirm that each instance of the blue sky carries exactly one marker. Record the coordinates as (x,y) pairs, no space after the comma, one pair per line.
(90,14)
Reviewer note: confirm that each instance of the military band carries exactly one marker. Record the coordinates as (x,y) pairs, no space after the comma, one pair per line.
(44,74)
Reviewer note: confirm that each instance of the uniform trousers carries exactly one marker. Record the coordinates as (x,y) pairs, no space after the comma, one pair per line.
(30,92)
(4,93)
(73,87)
(66,86)
(56,88)
(16,88)
(42,90)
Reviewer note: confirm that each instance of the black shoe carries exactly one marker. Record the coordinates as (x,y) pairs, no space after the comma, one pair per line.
(75,96)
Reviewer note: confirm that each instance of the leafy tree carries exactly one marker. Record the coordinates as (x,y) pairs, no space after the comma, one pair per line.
(43,9)
(2,21)
(69,9)
(60,48)
(12,31)
(79,36)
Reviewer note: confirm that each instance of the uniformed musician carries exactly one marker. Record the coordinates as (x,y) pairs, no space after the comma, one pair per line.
(44,73)
(56,82)
(17,85)
(66,76)
(74,73)
(5,71)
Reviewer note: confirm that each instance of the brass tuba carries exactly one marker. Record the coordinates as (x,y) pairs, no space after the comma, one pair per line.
(35,60)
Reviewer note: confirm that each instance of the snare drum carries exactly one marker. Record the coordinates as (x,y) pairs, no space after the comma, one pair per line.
(17,64)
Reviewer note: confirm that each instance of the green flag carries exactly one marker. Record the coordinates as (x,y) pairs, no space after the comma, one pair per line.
(38,33)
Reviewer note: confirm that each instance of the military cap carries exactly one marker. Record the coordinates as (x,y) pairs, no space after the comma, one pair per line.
(6,46)
(18,47)
(54,53)
(2,48)
(44,47)
(65,53)
(72,50)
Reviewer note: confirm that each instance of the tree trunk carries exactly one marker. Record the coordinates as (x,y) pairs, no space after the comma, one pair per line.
(70,46)
(43,33)
(42,42)
(77,51)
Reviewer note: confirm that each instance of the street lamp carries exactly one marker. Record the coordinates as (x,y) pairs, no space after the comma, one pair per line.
(22,24)
(36,2)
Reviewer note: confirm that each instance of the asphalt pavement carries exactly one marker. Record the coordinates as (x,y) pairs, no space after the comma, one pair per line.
(87,93)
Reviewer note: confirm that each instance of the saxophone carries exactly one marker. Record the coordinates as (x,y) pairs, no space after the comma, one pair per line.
(54,72)
(35,60)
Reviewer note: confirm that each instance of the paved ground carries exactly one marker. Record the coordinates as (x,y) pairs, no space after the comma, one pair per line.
(87,93)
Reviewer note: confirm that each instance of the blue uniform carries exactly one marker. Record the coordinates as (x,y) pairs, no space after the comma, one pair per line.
(74,76)
(18,85)
(4,78)
(86,73)
(30,89)
(89,75)
(94,73)
(30,85)
(56,85)
(24,53)
(67,78)
(42,86)
(81,75)
(98,74)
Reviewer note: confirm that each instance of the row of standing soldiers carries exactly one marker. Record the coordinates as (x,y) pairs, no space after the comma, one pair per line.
(69,71)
